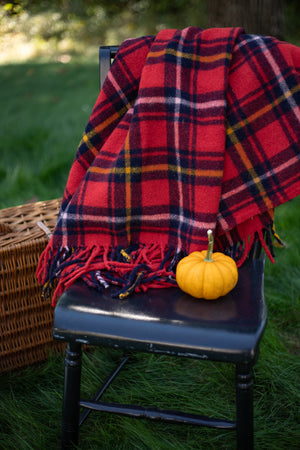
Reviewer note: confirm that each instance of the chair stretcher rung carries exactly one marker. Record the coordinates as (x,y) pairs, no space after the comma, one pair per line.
(103,388)
(158,414)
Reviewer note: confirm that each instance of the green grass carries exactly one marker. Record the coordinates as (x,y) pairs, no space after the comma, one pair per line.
(44,110)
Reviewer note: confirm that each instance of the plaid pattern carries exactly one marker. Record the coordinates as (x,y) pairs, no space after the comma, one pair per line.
(192,130)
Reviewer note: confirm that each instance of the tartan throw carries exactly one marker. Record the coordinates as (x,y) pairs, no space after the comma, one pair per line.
(193,130)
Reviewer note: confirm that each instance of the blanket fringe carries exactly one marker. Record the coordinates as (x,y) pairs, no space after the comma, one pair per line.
(240,248)
(135,268)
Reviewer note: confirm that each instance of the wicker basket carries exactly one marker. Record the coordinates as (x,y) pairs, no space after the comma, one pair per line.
(25,318)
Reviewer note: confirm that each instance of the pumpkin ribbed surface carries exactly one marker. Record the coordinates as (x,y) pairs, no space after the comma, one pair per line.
(207,279)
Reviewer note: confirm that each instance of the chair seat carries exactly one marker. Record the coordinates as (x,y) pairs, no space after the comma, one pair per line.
(168,320)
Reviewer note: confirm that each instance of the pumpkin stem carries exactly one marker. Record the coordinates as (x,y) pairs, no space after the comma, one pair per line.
(210,246)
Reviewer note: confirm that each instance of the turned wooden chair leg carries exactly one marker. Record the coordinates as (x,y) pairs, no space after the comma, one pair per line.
(244,406)
(71,397)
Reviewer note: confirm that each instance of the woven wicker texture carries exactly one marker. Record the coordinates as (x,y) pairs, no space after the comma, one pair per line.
(25,317)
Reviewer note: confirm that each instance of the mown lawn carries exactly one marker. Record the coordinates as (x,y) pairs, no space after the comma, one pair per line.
(44,108)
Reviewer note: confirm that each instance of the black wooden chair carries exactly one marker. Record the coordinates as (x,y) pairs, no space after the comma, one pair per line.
(163,321)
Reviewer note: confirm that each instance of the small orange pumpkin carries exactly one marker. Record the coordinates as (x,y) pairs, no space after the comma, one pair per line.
(206,274)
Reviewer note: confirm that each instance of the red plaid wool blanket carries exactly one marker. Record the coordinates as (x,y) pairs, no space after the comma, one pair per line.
(192,130)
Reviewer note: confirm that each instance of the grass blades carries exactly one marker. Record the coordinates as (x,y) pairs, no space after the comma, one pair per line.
(45,108)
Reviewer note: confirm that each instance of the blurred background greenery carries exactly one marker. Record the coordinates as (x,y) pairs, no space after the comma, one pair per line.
(51,28)
(62,28)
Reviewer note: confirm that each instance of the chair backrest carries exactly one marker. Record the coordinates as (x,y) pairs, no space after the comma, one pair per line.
(106,55)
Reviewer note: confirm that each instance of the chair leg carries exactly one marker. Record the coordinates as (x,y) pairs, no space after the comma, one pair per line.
(71,397)
(244,406)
